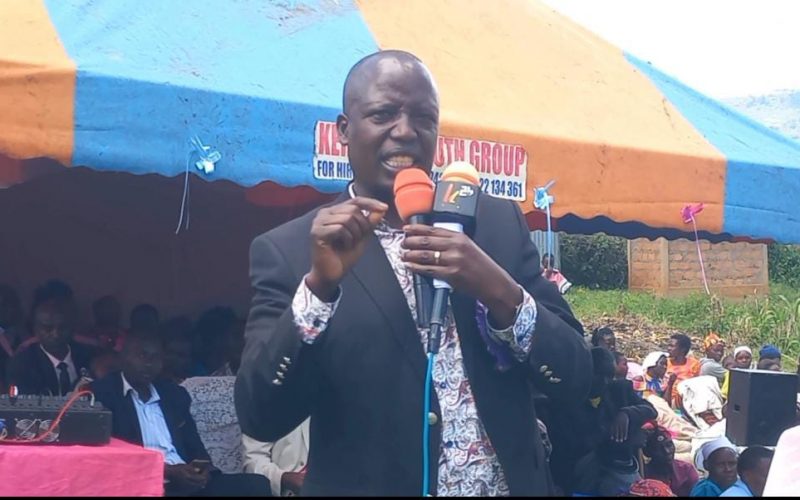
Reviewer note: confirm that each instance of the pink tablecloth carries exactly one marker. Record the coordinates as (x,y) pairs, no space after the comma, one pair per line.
(116,469)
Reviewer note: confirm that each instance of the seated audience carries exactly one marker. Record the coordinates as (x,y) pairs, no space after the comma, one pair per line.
(282,462)
(105,362)
(214,414)
(711,363)
(655,376)
(179,363)
(12,330)
(769,364)
(650,488)
(702,400)
(55,364)
(743,358)
(719,458)
(607,433)
(604,337)
(770,352)
(754,464)
(620,366)
(681,363)
(107,331)
(553,275)
(155,413)
(216,330)
(660,450)
(144,317)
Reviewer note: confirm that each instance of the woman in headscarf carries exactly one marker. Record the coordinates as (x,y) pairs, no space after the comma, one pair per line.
(719,459)
(655,371)
(650,488)
(715,350)
(743,357)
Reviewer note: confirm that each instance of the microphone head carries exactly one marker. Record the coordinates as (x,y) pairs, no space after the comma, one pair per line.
(461,171)
(413,192)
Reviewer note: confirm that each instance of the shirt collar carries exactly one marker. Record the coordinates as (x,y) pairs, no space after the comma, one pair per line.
(127,387)
(67,359)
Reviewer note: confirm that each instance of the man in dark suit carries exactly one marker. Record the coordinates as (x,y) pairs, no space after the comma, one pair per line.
(54,365)
(154,413)
(331,331)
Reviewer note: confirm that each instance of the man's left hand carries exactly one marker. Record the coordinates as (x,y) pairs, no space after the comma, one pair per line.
(464,266)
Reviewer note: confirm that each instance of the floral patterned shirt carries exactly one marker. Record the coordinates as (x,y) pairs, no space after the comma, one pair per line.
(468,464)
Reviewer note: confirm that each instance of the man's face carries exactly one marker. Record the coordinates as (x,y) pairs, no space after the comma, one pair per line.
(51,328)
(756,478)
(392,123)
(142,361)
(721,466)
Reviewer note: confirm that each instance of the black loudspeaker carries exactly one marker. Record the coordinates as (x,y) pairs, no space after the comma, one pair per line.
(761,405)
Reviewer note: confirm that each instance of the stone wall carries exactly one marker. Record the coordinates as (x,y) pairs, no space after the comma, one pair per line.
(673,267)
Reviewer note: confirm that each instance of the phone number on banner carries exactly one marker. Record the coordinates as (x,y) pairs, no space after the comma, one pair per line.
(500,188)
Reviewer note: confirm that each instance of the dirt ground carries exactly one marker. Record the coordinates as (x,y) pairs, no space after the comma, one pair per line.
(636,337)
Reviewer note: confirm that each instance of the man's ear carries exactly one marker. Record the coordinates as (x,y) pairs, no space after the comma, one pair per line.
(342,127)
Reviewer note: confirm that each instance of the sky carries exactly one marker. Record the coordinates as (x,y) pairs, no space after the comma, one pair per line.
(723,48)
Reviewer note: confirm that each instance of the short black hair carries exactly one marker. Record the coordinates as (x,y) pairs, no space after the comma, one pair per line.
(356,70)
(599,333)
(750,457)
(52,291)
(684,342)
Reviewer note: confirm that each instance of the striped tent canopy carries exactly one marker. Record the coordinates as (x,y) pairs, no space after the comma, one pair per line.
(247,92)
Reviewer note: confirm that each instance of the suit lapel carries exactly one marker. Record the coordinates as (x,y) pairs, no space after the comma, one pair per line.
(375,274)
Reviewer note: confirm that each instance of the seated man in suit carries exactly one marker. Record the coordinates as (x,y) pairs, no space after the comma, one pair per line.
(155,413)
(54,365)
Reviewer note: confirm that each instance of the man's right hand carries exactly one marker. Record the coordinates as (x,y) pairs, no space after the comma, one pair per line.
(292,481)
(186,477)
(338,237)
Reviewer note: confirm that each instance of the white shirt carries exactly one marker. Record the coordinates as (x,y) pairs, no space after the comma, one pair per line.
(153,425)
(288,454)
(71,371)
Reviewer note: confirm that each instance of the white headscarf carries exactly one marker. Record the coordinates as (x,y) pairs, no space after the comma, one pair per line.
(651,360)
(742,348)
(710,447)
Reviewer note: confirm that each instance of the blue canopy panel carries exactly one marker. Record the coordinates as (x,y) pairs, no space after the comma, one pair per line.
(232,78)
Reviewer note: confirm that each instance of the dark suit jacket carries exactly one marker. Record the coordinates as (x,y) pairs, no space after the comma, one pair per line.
(33,373)
(362,380)
(174,402)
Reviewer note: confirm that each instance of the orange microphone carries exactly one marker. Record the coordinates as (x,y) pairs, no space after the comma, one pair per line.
(413,197)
